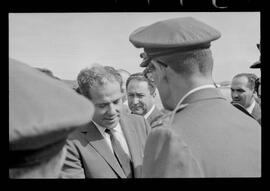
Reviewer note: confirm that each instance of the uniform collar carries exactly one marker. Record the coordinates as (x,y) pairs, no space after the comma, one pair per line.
(192,91)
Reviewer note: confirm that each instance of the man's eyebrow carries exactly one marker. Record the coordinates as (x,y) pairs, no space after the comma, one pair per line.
(239,89)
(117,99)
(102,103)
(139,93)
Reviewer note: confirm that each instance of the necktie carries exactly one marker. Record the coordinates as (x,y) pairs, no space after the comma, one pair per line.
(120,154)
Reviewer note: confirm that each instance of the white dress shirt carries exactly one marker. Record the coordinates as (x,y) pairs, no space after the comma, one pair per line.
(149,112)
(118,134)
(251,107)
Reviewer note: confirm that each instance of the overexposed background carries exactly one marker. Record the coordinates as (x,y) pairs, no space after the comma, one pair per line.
(65,43)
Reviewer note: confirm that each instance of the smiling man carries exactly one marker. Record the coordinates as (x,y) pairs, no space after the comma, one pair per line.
(111,146)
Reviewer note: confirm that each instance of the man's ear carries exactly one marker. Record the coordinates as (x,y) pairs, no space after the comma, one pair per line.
(254,91)
(162,71)
(154,94)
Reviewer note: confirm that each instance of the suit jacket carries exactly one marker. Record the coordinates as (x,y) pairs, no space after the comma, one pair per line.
(256,112)
(241,108)
(154,116)
(89,156)
(208,138)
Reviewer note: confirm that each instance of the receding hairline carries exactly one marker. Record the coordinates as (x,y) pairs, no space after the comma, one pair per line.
(140,78)
(250,79)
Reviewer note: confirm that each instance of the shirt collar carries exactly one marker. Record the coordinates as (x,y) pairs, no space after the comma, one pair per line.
(149,112)
(251,107)
(102,129)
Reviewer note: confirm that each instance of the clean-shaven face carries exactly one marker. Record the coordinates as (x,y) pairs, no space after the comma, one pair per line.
(240,92)
(165,93)
(107,99)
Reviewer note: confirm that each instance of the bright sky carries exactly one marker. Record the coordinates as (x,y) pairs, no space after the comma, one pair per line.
(65,43)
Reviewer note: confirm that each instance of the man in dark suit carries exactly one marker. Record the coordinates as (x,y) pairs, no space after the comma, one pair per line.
(243,92)
(141,93)
(111,146)
(206,135)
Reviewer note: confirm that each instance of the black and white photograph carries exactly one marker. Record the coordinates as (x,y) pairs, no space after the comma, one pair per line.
(112,95)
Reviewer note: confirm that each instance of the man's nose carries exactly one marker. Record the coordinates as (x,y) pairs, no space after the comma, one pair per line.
(112,109)
(136,100)
(234,94)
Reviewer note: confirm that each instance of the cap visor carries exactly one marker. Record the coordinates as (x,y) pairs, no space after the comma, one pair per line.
(256,65)
(145,63)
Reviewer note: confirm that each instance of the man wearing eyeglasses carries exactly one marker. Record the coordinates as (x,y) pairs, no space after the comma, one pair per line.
(206,135)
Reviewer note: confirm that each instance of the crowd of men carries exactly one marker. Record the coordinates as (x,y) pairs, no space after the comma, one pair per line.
(110,127)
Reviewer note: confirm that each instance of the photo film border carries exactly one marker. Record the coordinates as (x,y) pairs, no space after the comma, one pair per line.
(140,6)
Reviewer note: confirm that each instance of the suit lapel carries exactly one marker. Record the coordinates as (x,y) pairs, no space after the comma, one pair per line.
(153,115)
(96,140)
(132,141)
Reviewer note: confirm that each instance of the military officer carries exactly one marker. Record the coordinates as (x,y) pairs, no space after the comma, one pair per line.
(206,135)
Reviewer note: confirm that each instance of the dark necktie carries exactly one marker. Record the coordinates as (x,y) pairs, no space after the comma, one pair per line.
(120,154)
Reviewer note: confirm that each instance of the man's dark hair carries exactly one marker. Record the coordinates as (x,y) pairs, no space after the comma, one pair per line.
(187,63)
(140,77)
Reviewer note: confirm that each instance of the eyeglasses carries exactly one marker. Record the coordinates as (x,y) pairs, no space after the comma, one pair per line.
(148,72)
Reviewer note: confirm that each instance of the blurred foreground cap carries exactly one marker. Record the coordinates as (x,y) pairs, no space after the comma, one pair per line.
(172,35)
(42,112)
(258,63)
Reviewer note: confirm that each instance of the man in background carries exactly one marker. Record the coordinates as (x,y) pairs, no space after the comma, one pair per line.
(43,111)
(243,92)
(141,93)
(124,75)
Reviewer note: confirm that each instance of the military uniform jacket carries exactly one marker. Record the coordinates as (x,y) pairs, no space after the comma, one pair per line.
(89,156)
(208,138)
(154,116)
